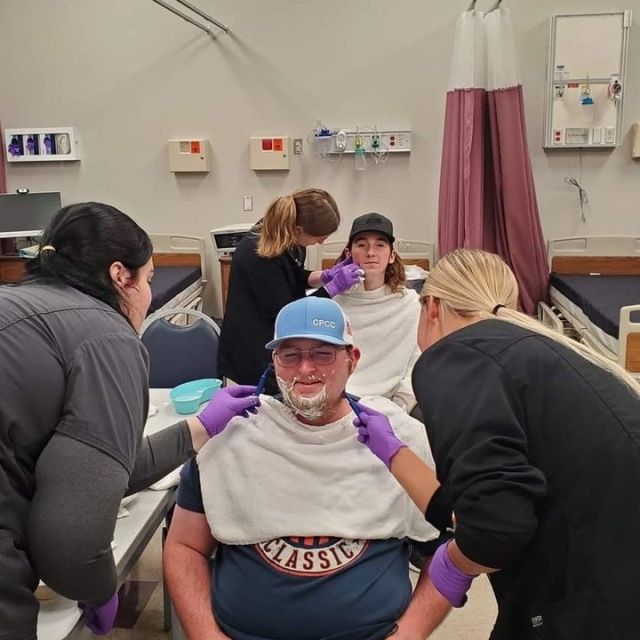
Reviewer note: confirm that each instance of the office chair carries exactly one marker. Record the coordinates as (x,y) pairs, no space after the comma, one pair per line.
(178,353)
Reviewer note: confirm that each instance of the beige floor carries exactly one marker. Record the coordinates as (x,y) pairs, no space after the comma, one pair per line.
(473,622)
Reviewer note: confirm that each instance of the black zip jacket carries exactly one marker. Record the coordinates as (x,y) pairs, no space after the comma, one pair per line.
(538,452)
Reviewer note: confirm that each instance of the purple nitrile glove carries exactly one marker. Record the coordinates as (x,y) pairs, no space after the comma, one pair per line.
(447,578)
(100,619)
(328,274)
(344,278)
(375,430)
(227,403)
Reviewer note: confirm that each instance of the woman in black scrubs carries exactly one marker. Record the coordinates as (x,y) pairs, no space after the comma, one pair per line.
(267,272)
(536,440)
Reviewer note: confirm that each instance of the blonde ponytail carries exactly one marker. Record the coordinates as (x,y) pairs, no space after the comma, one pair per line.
(278,227)
(314,210)
(474,283)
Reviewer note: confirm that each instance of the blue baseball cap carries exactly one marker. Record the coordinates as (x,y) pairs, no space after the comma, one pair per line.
(313,318)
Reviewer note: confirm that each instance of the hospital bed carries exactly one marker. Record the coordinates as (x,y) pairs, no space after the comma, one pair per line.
(179,278)
(594,290)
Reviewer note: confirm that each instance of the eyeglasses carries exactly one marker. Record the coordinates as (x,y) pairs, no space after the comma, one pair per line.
(292,356)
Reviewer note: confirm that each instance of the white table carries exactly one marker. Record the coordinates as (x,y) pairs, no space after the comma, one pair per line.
(60,618)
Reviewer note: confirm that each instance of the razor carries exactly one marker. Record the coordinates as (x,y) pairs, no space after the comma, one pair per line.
(263,380)
(353,403)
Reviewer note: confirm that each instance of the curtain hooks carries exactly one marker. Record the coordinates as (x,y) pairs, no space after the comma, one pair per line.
(495,6)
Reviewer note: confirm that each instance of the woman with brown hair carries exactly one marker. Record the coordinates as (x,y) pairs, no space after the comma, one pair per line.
(536,440)
(267,272)
(384,314)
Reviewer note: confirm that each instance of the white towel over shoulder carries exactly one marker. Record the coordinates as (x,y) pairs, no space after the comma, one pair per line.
(270,476)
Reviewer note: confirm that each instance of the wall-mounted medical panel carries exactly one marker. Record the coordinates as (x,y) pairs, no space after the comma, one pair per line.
(370,141)
(585,83)
(269,153)
(189,155)
(38,144)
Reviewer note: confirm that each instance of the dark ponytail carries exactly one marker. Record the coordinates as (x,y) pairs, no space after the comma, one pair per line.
(80,244)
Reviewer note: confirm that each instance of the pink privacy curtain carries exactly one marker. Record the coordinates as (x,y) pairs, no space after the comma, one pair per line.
(3,175)
(487,193)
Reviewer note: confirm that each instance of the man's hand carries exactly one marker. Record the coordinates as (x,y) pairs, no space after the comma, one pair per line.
(227,403)
(375,430)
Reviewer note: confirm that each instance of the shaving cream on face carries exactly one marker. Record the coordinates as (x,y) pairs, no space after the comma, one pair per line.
(310,408)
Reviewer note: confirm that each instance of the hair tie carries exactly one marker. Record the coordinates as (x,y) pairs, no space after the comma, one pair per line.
(495,309)
(48,247)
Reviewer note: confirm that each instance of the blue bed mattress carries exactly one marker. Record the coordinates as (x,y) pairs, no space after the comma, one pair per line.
(168,282)
(600,297)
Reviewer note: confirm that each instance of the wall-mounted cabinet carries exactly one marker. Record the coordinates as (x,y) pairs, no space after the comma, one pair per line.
(41,144)
(586,77)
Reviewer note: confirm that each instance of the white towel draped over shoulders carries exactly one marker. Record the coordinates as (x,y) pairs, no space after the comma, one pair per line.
(385,327)
(270,476)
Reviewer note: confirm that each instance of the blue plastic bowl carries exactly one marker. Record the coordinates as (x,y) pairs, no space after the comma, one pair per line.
(188,397)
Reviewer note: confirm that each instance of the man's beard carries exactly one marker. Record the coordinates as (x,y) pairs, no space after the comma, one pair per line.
(308,407)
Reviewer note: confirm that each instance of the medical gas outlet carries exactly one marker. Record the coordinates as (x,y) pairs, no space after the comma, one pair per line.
(343,141)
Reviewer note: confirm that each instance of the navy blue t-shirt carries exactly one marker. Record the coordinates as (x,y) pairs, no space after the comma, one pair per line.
(315,588)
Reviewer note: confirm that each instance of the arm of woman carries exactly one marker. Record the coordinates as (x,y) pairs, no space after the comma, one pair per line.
(162,452)
(72,518)
(315,279)
(476,419)
(415,477)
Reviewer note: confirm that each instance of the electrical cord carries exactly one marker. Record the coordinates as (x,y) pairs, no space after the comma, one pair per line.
(582,194)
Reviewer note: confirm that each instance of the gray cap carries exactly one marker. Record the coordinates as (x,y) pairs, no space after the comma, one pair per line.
(372,222)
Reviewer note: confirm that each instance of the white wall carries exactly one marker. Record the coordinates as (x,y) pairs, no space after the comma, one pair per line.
(130,75)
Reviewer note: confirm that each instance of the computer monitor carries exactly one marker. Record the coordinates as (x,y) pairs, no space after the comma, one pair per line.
(27,214)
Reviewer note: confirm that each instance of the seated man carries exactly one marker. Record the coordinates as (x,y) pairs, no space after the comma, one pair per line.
(308,527)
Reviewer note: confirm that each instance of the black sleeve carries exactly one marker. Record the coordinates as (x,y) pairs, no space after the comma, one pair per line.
(160,454)
(477,429)
(72,519)
(439,511)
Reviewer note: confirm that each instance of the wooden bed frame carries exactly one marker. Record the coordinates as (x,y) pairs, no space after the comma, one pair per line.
(173,250)
(417,252)
(599,255)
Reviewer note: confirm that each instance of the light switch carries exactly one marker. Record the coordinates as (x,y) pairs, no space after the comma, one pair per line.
(247,203)
(610,135)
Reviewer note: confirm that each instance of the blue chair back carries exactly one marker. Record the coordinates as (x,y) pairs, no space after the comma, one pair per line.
(179,353)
